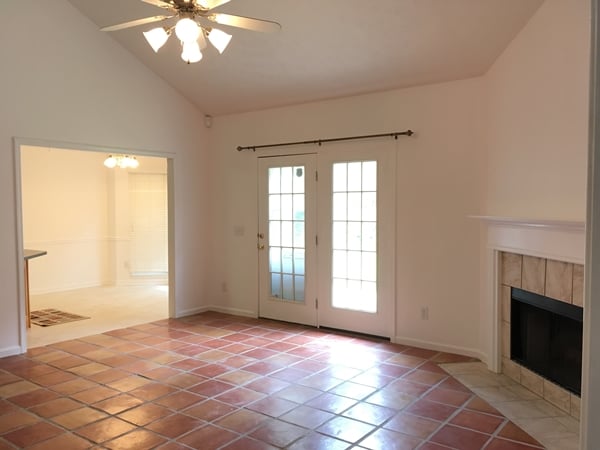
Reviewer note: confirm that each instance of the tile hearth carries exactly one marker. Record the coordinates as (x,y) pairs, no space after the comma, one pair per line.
(554,428)
(214,381)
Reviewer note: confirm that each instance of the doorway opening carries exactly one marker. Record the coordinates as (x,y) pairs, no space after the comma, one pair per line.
(106,234)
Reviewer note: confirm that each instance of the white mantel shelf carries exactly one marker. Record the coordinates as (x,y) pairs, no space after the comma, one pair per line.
(534,223)
(560,240)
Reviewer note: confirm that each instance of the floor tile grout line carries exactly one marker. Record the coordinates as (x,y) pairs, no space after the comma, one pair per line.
(497,435)
(496,432)
(448,419)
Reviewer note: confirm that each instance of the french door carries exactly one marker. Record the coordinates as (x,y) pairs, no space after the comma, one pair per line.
(286,238)
(326,247)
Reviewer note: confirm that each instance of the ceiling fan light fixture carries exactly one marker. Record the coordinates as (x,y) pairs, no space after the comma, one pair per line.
(157,37)
(219,39)
(187,30)
(191,52)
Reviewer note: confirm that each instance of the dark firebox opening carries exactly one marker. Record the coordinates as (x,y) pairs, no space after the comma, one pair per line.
(546,337)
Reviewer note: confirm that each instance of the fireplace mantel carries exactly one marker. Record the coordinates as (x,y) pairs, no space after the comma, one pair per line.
(561,240)
(535,223)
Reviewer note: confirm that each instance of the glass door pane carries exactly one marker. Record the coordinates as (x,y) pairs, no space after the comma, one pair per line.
(354,236)
(286,232)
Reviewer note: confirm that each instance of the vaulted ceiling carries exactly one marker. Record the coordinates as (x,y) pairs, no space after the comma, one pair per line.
(326,48)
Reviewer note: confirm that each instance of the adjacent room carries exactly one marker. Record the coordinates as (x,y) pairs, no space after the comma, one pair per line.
(349,225)
(104,232)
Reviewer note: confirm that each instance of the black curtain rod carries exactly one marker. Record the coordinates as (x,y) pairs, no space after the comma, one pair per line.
(323,141)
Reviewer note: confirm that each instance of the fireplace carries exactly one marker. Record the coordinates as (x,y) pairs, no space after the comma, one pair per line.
(546,337)
(541,256)
(540,290)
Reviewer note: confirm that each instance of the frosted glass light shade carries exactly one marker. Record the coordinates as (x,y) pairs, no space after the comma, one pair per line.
(110,162)
(191,52)
(131,162)
(156,38)
(219,39)
(122,161)
(187,30)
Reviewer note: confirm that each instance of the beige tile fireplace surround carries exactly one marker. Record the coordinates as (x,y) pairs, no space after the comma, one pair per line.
(558,280)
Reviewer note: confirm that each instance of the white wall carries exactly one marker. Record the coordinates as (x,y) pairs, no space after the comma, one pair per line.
(64,199)
(438,185)
(538,117)
(64,81)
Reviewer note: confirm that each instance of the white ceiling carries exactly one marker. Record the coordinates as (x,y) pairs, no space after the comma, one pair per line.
(326,48)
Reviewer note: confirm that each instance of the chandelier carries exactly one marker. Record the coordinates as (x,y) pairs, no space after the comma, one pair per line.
(121,161)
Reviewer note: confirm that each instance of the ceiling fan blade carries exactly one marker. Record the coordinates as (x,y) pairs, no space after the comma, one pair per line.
(247,23)
(211,4)
(160,3)
(135,23)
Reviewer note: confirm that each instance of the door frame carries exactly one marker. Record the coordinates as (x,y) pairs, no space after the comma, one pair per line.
(22,142)
(390,148)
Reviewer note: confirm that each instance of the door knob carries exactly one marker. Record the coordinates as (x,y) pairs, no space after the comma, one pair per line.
(260,246)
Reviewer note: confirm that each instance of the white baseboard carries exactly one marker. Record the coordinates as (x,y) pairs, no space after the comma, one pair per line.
(97,284)
(234,311)
(10,351)
(67,287)
(221,309)
(474,353)
(191,311)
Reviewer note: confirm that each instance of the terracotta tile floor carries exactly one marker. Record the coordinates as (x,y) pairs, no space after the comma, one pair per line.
(213,381)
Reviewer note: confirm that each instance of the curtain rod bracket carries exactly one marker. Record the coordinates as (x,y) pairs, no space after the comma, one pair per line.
(320,142)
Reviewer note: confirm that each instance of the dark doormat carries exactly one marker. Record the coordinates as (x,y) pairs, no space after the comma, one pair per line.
(50,317)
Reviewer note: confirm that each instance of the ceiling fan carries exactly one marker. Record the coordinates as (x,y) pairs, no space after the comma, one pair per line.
(194,25)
